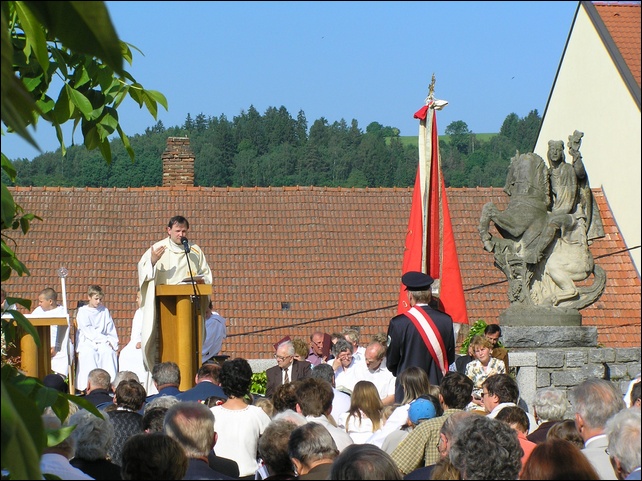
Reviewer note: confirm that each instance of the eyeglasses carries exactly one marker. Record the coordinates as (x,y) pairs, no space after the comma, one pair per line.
(281,358)
(608,453)
(484,394)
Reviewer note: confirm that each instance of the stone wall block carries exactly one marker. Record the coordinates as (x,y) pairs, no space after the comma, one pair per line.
(543,378)
(628,355)
(602,355)
(549,358)
(568,377)
(576,358)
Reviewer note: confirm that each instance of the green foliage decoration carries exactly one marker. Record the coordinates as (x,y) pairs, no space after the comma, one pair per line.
(476,329)
(259,383)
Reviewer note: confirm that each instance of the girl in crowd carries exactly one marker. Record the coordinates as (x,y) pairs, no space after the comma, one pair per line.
(364,416)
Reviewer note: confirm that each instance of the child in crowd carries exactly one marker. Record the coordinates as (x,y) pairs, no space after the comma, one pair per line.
(364,416)
(482,368)
(97,339)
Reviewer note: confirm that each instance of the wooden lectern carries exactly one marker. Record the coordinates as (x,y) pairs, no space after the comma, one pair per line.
(33,361)
(181,336)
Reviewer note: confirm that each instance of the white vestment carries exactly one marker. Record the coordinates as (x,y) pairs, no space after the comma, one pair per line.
(130,357)
(59,339)
(97,343)
(171,269)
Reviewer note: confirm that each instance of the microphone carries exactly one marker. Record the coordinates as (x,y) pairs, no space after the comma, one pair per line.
(185,244)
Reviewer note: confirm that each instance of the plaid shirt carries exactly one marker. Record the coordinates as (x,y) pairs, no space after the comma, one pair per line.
(419,448)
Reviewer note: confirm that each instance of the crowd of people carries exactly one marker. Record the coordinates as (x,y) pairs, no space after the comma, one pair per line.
(401,405)
(219,429)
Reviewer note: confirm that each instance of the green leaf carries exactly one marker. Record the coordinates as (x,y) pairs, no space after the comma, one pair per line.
(63,107)
(8,210)
(28,328)
(105,150)
(150,103)
(8,168)
(158,97)
(126,143)
(34,35)
(23,437)
(90,134)
(79,100)
(83,27)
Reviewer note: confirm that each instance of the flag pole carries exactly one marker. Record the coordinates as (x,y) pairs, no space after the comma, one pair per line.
(63,273)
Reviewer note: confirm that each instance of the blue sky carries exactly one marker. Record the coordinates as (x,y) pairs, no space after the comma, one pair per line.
(369,61)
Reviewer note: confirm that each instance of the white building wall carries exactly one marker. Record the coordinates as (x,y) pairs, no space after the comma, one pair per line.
(590,96)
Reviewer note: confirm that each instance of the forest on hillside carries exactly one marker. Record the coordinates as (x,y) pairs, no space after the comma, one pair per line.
(275,149)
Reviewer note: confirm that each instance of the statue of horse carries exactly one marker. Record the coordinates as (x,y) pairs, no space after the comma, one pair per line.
(523,220)
(541,269)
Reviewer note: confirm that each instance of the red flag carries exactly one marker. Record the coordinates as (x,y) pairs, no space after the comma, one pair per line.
(430,243)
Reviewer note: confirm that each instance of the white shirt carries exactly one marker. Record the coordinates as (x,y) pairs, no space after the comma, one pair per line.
(381,377)
(358,429)
(341,438)
(345,378)
(360,354)
(340,403)
(398,418)
(499,407)
(59,339)
(215,332)
(52,463)
(238,435)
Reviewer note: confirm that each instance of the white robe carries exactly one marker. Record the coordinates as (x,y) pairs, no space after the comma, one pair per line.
(170,269)
(97,343)
(130,357)
(59,339)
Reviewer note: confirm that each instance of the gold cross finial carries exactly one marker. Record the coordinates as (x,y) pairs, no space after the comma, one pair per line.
(431,90)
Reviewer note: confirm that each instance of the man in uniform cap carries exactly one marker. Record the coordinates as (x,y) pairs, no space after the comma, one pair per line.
(422,336)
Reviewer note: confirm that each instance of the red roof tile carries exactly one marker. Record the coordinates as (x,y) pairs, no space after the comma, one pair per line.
(334,255)
(622,20)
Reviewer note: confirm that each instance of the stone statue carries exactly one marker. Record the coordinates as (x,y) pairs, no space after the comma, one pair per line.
(550,220)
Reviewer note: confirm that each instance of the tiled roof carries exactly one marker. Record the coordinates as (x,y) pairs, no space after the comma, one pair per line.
(286,261)
(622,20)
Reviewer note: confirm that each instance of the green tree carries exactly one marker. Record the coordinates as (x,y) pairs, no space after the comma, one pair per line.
(460,136)
(76,43)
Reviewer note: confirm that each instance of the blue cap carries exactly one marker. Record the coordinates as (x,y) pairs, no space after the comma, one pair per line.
(420,409)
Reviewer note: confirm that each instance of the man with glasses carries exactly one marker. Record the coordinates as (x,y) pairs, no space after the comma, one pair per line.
(287,368)
(500,391)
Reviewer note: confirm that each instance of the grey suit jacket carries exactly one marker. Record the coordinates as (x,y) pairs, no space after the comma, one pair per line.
(594,450)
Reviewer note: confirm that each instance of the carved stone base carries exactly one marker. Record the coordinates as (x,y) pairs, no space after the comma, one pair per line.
(549,336)
(540,316)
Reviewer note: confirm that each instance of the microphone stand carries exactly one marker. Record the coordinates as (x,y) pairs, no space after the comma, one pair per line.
(189,267)
(194,297)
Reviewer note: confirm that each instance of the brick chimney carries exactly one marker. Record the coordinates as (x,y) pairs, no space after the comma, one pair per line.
(178,163)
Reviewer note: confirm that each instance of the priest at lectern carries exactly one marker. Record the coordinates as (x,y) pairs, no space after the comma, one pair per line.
(173,260)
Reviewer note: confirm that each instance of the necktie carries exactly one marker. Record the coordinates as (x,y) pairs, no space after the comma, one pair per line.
(286,378)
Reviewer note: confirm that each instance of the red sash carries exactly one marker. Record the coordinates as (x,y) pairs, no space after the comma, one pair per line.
(431,336)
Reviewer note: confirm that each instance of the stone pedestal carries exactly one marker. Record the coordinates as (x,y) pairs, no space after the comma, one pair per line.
(540,316)
(529,337)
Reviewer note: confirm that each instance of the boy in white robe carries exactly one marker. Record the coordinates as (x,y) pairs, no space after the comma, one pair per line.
(59,335)
(97,339)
